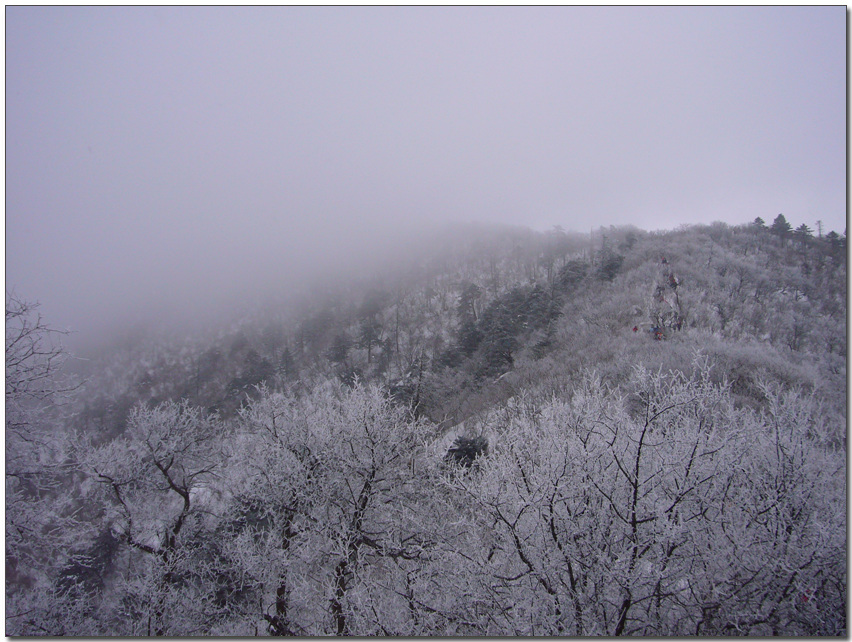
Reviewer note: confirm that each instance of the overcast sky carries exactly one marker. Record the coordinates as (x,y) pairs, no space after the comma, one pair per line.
(160,155)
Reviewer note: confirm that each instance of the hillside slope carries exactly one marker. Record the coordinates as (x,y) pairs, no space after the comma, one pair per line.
(511,433)
(489,310)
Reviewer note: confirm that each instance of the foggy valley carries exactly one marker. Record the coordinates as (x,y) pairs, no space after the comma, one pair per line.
(426,321)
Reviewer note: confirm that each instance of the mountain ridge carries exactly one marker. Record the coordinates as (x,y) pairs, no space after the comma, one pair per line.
(531,295)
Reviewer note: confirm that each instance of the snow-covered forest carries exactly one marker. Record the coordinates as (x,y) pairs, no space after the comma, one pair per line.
(509,432)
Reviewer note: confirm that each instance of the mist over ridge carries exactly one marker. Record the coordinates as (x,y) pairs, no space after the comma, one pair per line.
(167,161)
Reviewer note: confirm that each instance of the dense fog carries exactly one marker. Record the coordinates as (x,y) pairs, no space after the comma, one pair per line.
(165,162)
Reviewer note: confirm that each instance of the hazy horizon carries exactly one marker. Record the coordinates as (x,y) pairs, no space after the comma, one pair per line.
(162,158)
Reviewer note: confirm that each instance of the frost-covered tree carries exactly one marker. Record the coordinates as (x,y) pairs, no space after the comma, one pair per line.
(153,485)
(370,334)
(41,520)
(325,510)
(34,359)
(339,350)
(657,513)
